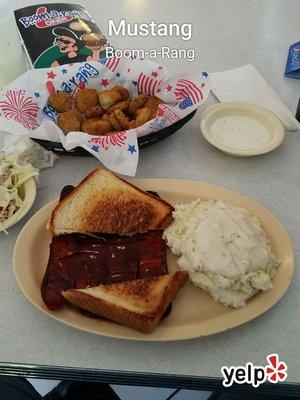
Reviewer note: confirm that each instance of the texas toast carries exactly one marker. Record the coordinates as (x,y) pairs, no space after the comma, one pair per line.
(105,203)
(138,304)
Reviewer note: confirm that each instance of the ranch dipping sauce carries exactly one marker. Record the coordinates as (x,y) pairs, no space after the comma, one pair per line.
(240,132)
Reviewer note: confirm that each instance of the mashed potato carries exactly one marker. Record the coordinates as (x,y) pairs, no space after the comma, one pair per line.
(223,248)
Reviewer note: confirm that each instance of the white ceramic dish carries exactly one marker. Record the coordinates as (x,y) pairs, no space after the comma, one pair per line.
(194,312)
(247,129)
(27,193)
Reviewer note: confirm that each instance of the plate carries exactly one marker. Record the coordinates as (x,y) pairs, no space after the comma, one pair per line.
(27,192)
(194,312)
(251,118)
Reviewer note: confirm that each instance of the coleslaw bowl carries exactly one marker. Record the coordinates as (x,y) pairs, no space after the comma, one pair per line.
(27,192)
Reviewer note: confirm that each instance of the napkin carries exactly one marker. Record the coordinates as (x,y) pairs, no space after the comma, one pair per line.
(247,84)
(28,151)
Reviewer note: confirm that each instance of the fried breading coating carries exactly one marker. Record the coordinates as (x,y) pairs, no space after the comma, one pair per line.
(60,101)
(143,115)
(121,117)
(123,92)
(96,126)
(94,112)
(115,122)
(137,102)
(69,120)
(131,124)
(153,102)
(119,120)
(122,105)
(104,111)
(85,99)
(107,98)
(105,116)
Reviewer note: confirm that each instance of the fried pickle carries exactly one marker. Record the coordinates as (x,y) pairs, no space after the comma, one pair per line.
(131,124)
(94,112)
(121,117)
(137,103)
(119,120)
(85,99)
(96,126)
(70,120)
(104,111)
(143,115)
(115,122)
(153,102)
(105,116)
(107,98)
(123,92)
(122,105)
(60,101)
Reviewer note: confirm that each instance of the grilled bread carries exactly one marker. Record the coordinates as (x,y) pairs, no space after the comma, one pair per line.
(138,304)
(105,203)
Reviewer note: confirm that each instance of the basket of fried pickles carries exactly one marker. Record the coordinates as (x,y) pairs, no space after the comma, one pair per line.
(107,112)
(103,112)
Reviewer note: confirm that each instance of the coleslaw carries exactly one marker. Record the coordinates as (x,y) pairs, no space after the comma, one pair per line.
(12,177)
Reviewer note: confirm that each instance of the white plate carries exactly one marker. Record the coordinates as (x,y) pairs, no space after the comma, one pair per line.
(259,115)
(194,312)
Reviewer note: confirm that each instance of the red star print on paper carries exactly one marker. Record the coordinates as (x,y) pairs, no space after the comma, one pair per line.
(51,75)
(202,85)
(104,82)
(154,74)
(169,88)
(160,67)
(276,370)
(158,90)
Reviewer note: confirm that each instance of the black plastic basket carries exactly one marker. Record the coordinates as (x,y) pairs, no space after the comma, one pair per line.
(144,141)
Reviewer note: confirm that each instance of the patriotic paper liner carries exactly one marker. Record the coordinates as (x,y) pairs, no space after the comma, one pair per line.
(24,107)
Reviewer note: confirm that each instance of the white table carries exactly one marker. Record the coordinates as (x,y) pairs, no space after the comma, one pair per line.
(226,34)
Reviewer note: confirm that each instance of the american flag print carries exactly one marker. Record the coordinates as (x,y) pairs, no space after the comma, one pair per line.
(168,113)
(111,63)
(157,124)
(74,94)
(187,102)
(186,88)
(21,109)
(117,139)
(147,85)
(50,87)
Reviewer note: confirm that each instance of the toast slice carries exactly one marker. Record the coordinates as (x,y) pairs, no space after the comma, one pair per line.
(105,203)
(138,304)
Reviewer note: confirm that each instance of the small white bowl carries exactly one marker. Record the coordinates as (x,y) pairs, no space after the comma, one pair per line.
(27,192)
(255,115)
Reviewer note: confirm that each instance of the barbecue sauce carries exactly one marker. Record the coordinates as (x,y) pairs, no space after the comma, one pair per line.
(78,261)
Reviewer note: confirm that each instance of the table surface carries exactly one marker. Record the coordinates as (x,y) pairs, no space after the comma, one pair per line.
(226,34)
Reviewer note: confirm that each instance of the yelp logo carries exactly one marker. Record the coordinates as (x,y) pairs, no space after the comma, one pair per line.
(275,371)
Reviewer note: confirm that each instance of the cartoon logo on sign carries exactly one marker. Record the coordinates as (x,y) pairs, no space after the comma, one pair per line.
(73,42)
(69,48)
